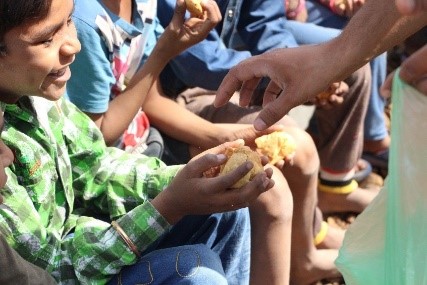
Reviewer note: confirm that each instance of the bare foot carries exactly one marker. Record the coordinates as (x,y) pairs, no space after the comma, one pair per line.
(355,201)
(333,239)
(319,265)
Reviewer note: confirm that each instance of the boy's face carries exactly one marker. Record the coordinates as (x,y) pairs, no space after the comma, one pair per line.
(6,156)
(38,55)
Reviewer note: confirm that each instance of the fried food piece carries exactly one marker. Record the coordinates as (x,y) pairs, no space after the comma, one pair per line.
(195,8)
(276,146)
(238,156)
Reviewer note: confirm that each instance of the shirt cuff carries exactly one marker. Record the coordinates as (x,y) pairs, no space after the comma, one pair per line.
(144,225)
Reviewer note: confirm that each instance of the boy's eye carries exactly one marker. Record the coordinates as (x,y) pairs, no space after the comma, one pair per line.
(47,42)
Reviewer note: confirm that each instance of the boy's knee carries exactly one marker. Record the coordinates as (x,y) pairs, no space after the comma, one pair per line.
(188,264)
(306,156)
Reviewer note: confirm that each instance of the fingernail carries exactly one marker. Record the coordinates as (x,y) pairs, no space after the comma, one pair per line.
(221,156)
(259,124)
(265,182)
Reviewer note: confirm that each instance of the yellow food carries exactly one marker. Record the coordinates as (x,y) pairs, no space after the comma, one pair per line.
(238,156)
(276,146)
(195,8)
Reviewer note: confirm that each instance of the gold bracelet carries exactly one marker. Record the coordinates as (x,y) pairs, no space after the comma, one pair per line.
(125,238)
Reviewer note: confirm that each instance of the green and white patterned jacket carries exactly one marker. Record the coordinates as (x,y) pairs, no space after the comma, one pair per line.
(62,177)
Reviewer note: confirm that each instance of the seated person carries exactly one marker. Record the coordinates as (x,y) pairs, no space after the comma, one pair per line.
(335,14)
(88,213)
(92,89)
(258,27)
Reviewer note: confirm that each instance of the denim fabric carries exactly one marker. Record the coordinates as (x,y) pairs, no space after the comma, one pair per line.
(375,128)
(207,247)
(188,264)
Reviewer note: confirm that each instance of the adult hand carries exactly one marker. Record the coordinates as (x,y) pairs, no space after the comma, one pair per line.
(181,33)
(192,193)
(297,75)
(410,7)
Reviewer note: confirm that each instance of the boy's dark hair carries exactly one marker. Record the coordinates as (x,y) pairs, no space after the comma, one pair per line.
(14,13)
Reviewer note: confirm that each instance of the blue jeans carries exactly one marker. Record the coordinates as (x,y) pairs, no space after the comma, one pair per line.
(375,128)
(211,249)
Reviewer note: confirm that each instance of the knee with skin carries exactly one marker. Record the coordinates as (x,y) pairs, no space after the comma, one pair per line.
(275,205)
(306,160)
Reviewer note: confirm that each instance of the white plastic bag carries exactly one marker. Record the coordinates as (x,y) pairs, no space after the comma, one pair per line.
(387,243)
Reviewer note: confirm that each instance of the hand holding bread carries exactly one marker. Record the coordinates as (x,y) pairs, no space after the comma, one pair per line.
(238,156)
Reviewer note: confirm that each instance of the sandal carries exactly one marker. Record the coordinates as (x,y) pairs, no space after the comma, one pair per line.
(362,172)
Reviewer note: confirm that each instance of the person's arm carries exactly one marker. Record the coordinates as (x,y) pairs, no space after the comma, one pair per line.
(177,36)
(210,60)
(366,36)
(262,26)
(183,125)
(176,121)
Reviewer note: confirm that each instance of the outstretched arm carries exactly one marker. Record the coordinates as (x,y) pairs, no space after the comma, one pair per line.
(299,74)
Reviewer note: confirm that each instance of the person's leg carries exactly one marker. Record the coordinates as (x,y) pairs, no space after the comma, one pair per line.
(340,143)
(271,226)
(227,234)
(308,263)
(376,135)
(188,264)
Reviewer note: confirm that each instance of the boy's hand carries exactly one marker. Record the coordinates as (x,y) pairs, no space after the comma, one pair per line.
(332,97)
(180,34)
(191,193)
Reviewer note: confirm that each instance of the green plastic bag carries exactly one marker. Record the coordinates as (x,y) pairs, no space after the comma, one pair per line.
(387,243)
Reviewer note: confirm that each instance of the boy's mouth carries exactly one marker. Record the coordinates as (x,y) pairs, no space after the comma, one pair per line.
(58,73)
(61,75)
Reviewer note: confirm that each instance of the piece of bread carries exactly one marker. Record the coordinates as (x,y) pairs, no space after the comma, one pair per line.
(238,156)
(195,8)
(276,146)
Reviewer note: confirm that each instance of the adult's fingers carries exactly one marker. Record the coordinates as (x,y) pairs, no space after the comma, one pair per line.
(246,70)
(414,68)
(273,111)
(247,90)
(271,92)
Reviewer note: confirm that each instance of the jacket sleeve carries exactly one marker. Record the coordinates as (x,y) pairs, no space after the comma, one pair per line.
(206,63)
(262,26)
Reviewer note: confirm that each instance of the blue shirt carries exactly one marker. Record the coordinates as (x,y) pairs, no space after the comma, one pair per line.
(249,27)
(100,70)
